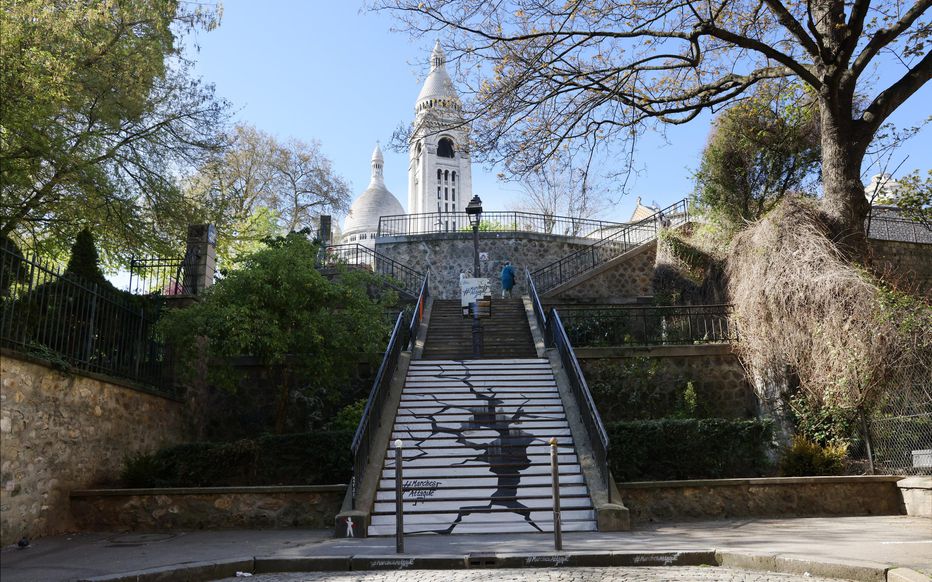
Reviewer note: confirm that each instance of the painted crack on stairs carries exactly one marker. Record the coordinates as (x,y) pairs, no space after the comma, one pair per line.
(477,458)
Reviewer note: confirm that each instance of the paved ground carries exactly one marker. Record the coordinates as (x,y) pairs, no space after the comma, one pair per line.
(696,574)
(894,540)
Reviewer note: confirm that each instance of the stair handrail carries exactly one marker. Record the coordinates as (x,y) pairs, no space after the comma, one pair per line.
(555,337)
(418,314)
(611,246)
(357,254)
(539,313)
(598,436)
(361,448)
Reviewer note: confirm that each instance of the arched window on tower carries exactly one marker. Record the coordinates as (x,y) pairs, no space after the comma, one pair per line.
(445,148)
(454,177)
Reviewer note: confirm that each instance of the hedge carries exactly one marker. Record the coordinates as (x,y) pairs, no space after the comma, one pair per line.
(670,449)
(317,458)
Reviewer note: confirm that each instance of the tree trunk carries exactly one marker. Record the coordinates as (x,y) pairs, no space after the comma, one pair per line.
(844,202)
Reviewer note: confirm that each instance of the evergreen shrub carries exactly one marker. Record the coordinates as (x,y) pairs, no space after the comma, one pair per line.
(674,448)
(316,458)
(804,458)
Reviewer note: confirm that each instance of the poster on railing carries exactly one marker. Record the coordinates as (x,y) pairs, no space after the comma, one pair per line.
(475,290)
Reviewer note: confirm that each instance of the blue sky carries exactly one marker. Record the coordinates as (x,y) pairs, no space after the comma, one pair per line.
(326,70)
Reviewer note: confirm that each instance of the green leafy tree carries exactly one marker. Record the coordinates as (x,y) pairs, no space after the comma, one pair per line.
(913,195)
(759,150)
(540,74)
(279,309)
(98,112)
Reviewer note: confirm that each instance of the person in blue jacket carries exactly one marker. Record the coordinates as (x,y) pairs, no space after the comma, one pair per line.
(508,279)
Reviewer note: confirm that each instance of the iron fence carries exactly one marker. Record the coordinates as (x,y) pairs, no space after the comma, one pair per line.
(622,325)
(418,314)
(372,416)
(495,221)
(620,241)
(400,276)
(888,226)
(896,437)
(157,276)
(88,326)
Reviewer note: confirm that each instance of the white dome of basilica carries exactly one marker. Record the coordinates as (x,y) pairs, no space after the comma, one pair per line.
(438,88)
(362,221)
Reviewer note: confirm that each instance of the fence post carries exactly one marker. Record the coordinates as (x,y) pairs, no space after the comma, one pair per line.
(399,502)
(89,340)
(555,471)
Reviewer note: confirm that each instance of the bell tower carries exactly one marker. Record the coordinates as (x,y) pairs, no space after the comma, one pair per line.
(440,168)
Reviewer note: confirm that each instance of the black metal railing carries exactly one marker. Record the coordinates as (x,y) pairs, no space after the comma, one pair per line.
(539,314)
(418,314)
(372,416)
(598,437)
(555,337)
(400,276)
(623,325)
(620,241)
(157,276)
(893,226)
(85,325)
(495,221)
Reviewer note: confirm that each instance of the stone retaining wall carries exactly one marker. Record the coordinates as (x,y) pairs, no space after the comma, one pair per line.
(313,506)
(720,381)
(448,254)
(60,432)
(912,262)
(657,501)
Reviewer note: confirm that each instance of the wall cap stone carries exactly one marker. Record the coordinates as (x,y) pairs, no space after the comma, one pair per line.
(71,371)
(919,482)
(761,481)
(262,489)
(672,350)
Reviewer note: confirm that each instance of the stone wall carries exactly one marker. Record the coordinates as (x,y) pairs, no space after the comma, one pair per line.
(768,497)
(64,431)
(622,280)
(718,378)
(313,506)
(910,262)
(448,254)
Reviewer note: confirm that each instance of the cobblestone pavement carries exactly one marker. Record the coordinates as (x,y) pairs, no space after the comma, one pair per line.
(645,574)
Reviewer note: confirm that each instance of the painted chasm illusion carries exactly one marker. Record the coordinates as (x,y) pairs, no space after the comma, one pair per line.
(476,452)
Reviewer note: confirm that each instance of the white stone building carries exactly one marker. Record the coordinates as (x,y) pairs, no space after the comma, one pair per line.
(362,221)
(439,170)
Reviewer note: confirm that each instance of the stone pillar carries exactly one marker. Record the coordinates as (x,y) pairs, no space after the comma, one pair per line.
(200,259)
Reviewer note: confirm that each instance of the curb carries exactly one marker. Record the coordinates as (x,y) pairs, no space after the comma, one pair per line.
(826,568)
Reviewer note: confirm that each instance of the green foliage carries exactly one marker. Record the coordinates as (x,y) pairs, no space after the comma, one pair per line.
(84,262)
(805,457)
(97,104)
(760,150)
(280,310)
(318,458)
(349,416)
(12,270)
(823,424)
(670,449)
(913,196)
(634,388)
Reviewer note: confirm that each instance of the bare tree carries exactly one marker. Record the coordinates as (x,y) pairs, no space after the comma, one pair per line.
(260,187)
(542,73)
(560,188)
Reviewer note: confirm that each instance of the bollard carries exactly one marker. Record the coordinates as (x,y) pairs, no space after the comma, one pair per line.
(399,502)
(555,470)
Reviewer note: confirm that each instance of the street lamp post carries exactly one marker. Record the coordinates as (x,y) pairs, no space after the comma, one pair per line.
(474,210)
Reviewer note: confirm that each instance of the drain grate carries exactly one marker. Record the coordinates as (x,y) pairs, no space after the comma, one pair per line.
(483,560)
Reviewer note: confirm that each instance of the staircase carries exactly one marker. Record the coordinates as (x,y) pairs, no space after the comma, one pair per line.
(476,452)
(505,335)
(579,265)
